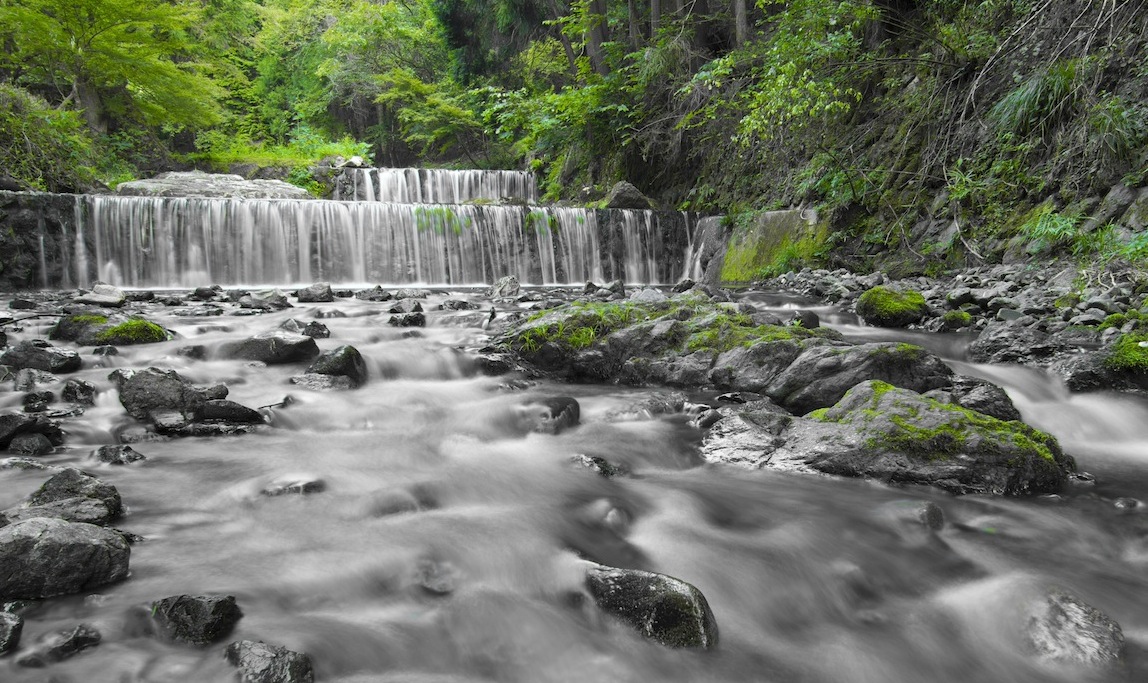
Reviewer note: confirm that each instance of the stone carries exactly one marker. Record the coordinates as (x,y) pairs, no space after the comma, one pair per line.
(406,305)
(1064,629)
(60,645)
(28,379)
(821,375)
(11,626)
(807,319)
(153,391)
(103,295)
(624,195)
(79,391)
(275,347)
(259,662)
(316,382)
(648,295)
(294,485)
(408,320)
(15,424)
(550,415)
(195,619)
(200,184)
(44,557)
(317,293)
(375,293)
(37,401)
(313,329)
(30,444)
(887,307)
(344,361)
(70,488)
(662,608)
(117,455)
(223,410)
(273,300)
(506,286)
(458,305)
(41,355)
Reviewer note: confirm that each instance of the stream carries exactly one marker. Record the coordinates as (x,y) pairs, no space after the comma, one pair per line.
(812,579)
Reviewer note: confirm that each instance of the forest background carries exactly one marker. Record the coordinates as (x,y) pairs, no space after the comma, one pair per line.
(945,132)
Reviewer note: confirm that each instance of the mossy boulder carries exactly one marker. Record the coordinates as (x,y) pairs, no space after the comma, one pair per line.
(92,329)
(883,432)
(885,307)
(661,608)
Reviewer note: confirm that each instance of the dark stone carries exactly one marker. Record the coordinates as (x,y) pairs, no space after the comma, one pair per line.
(206,293)
(259,662)
(375,293)
(223,410)
(318,293)
(977,394)
(117,455)
(60,645)
(44,557)
(37,401)
(11,626)
(30,444)
(625,196)
(194,352)
(807,319)
(603,467)
(79,391)
(144,393)
(195,619)
(345,361)
(105,350)
(316,382)
(551,415)
(294,486)
(662,608)
(273,348)
(494,364)
(14,424)
(71,486)
(313,329)
(273,300)
(40,355)
(406,306)
(458,305)
(408,320)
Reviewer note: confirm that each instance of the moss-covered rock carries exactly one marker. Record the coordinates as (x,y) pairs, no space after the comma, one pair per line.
(887,307)
(1129,353)
(87,329)
(661,608)
(884,432)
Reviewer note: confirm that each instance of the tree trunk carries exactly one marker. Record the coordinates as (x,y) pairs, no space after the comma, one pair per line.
(88,98)
(597,36)
(741,22)
(635,27)
(655,17)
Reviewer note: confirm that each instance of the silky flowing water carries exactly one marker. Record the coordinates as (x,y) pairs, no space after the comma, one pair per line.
(811,578)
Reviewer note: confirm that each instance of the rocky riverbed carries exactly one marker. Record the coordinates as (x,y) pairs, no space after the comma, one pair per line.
(534,484)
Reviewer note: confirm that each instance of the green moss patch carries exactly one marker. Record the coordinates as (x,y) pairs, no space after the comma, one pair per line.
(134,331)
(1128,354)
(887,307)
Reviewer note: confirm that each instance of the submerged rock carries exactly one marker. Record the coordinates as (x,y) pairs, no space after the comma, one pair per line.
(896,435)
(41,355)
(273,348)
(117,455)
(43,557)
(550,415)
(1064,629)
(313,329)
(661,608)
(79,391)
(60,645)
(195,619)
(259,662)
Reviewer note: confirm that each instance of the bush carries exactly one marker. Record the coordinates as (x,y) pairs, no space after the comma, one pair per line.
(44,148)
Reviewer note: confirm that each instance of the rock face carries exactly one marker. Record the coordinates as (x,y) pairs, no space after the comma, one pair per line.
(1064,629)
(41,558)
(195,619)
(662,608)
(40,355)
(259,662)
(199,184)
(60,645)
(625,196)
(896,435)
(273,348)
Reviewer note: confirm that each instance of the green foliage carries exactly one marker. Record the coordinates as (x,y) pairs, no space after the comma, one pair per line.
(134,331)
(1041,102)
(1129,353)
(46,148)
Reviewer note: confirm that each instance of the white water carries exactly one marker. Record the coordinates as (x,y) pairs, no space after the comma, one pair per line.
(439,186)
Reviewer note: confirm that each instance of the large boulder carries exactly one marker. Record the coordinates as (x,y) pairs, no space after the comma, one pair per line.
(887,307)
(88,329)
(880,431)
(320,292)
(344,361)
(41,355)
(14,425)
(195,619)
(43,557)
(74,496)
(625,196)
(145,393)
(821,375)
(273,348)
(506,286)
(104,295)
(200,184)
(1007,342)
(1064,629)
(259,662)
(661,608)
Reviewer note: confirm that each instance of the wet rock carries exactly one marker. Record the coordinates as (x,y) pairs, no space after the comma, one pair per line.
(550,415)
(896,435)
(661,608)
(294,486)
(601,466)
(223,410)
(506,286)
(406,306)
(43,557)
(979,395)
(273,348)
(753,368)
(79,391)
(1002,342)
(1064,629)
(206,293)
(375,293)
(11,626)
(25,464)
(103,295)
(60,645)
(104,351)
(37,401)
(200,184)
(74,496)
(887,307)
(28,379)
(807,319)
(821,375)
(623,195)
(916,512)
(194,352)
(41,355)
(458,305)
(87,329)
(494,364)
(408,320)
(408,293)
(313,329)
(437,577)
(259,662)
(15,424)
(272,300)
(30,444)
(195,619)
(344,361)
(320,292)
(316,382)
(145,393)
(117,455)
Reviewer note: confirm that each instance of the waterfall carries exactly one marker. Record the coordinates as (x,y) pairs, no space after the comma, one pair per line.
(192,241)
(437,186)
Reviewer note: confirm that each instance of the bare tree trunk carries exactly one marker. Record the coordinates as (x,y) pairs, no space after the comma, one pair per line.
(89,99)
(655,17)
(635,27)
(741,22)
(597,36)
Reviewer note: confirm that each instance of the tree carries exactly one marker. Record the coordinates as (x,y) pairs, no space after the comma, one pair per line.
(131,55)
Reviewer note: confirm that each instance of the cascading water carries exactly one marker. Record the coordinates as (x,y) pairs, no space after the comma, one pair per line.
(437,186)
